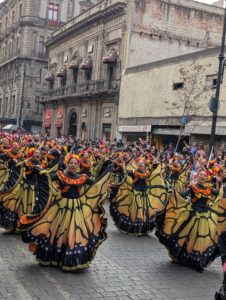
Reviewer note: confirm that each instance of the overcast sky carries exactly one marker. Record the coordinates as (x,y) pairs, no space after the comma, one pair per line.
(205,1)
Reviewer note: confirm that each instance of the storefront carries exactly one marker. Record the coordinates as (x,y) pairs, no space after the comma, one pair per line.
(165,136)
(133,132)
(47,120)
(200,131)
(59,120)
(106,133)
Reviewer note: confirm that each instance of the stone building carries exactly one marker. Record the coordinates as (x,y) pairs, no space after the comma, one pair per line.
(25,26)
(85,65)
(89,54)
(175,96)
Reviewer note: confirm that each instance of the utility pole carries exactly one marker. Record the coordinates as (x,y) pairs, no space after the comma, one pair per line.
(215,100)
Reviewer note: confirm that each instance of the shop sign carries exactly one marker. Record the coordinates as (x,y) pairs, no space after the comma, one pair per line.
(135,128)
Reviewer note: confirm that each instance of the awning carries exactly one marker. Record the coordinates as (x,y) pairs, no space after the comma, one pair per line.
(168,131)
(204,127)
(62,72)
(87,64)
(11,127)
(49,77)
(74,65)
(110,57)
(134,128)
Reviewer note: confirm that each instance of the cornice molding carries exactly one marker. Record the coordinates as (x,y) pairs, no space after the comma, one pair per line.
(100,17)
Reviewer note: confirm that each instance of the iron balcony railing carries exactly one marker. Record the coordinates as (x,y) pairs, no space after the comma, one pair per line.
(79,89)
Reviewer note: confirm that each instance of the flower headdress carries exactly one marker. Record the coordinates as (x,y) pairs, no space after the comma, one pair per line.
(69,156)
(30,152)
(140,159)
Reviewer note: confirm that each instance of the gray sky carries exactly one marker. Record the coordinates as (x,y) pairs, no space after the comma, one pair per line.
(205,1)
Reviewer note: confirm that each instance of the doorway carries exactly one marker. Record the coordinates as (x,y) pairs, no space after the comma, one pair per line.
(73,125)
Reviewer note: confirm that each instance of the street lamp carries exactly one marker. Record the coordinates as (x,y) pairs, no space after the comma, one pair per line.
(214,102)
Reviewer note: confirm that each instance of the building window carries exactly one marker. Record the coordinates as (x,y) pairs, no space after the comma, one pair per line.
(37,100)
(211,82)
(13,104)
(214,83)
(53,12)
(63,81)
(41,46)
(17,43)
(20,10)
(39,77)
(0,27)
(0,106)
(88,75)
(13,16)
(10,47)
(178,86)
(6,105)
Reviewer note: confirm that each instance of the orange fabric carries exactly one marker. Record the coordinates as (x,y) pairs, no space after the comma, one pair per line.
(65,189)
(32,247)
(203,191)
(71,181)
(176,169)
(139,175)
(11,155)
(84,165)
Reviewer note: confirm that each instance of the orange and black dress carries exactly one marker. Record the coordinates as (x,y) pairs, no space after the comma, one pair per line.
(190,229)
(69,231)
(27,191)
(85,167)
(135,201)
(8,162)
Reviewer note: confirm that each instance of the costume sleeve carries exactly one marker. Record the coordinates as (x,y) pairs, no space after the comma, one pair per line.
(89,181)
(186,193)
(131,174)
(215,192)
(4,156)
(54,176)
(224,191)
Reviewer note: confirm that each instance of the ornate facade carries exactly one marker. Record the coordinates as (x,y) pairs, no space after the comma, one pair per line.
(85,65)
(25,26)
(89,55)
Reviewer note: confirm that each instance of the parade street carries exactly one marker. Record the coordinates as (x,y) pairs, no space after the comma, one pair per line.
(125,267)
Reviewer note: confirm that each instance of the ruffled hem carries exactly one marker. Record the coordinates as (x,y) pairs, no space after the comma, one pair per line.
(180,255)
(126,225)
(8,218)
(67,259)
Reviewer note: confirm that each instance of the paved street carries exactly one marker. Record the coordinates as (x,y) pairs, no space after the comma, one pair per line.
(124,268)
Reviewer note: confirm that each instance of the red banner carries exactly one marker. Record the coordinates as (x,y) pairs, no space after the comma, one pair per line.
(48,118)
(59,117)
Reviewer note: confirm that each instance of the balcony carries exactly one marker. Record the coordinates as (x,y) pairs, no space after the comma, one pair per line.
(32,20)
(85,89)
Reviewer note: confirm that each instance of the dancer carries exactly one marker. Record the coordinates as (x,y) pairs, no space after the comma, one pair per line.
(27,191)
(67,234)
(221,295)
(190,229)
(136,200)
(8,160)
